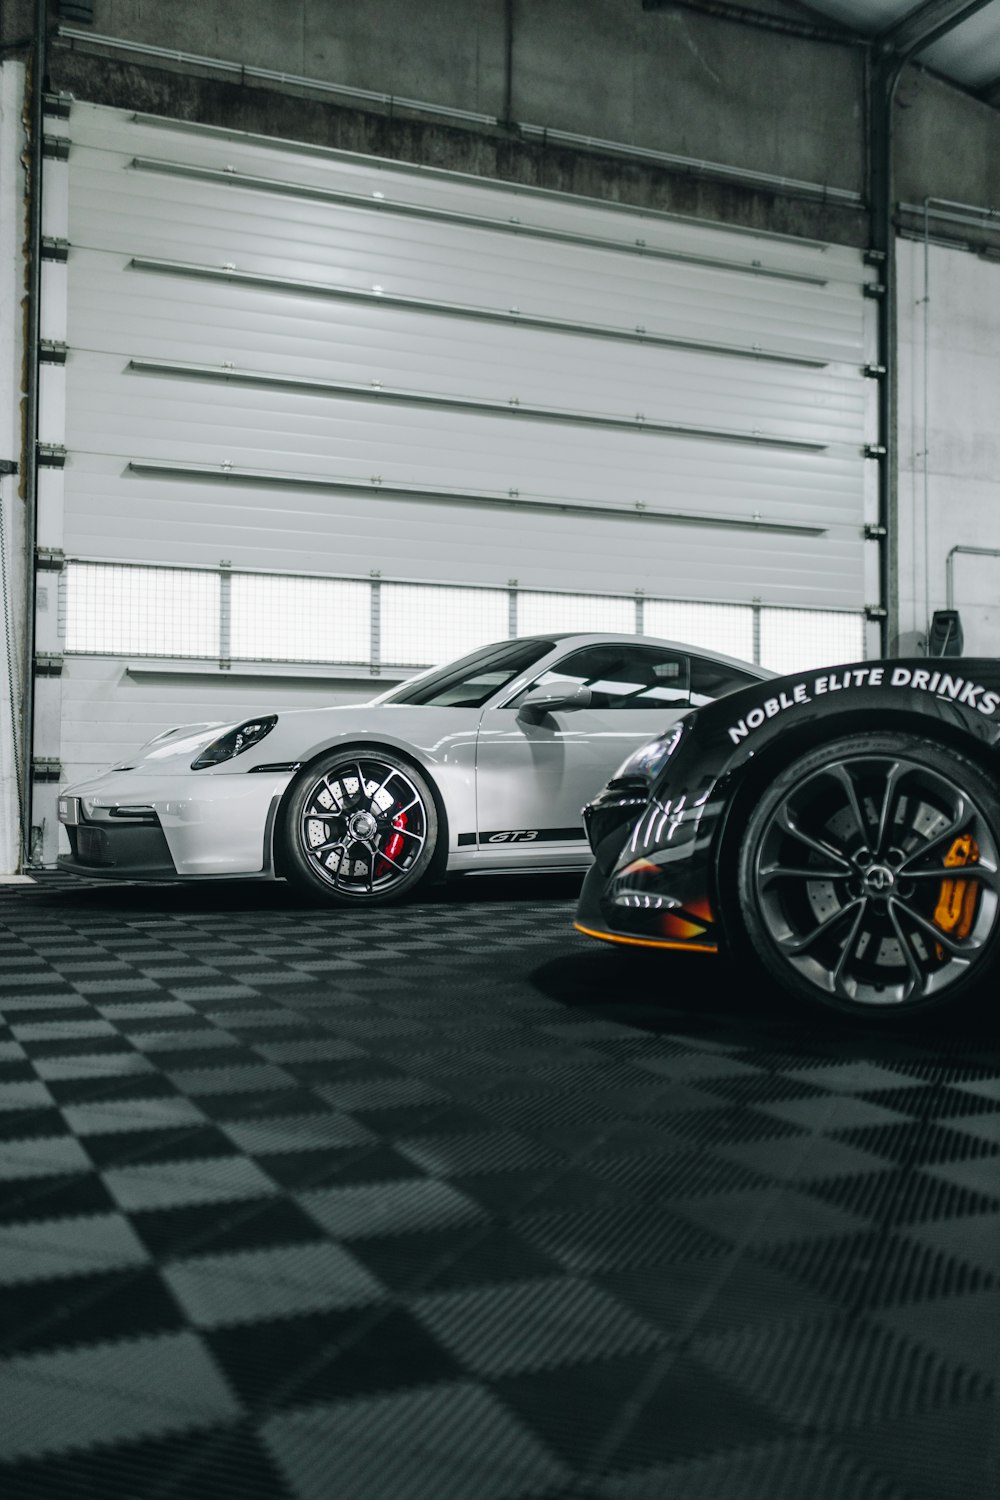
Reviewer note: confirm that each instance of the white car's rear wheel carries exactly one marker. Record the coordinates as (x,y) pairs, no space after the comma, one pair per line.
(361,826)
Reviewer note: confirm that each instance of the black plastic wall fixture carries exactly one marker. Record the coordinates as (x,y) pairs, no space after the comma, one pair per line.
(79,11)
(946,637)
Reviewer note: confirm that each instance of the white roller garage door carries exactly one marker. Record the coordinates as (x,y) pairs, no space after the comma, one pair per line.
(323,410)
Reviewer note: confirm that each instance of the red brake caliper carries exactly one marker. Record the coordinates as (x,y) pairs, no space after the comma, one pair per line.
(395,844)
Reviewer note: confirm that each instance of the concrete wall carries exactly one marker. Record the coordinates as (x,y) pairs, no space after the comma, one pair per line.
(12,608)
(672,81)
(947,144)
(949,397)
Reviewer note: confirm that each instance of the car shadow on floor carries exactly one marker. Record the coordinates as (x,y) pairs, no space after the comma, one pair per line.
(703,997)
(710,998)
(277,895)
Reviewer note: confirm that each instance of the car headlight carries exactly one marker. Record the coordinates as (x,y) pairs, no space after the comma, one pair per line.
(648,761)
(235,742)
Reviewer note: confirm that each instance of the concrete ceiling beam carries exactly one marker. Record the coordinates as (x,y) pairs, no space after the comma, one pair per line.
(927,23)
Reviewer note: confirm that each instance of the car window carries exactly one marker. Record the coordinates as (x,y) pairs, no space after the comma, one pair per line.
(714,679)
(624,676)
(473,679)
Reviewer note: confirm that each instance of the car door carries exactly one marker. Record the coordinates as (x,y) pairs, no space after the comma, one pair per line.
(534,772)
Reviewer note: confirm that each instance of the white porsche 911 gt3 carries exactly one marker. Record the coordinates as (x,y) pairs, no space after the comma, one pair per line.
(480,765)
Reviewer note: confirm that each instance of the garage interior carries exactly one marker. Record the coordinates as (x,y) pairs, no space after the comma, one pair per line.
(339,341)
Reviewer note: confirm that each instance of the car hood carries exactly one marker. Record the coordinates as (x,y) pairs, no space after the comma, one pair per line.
(297,733)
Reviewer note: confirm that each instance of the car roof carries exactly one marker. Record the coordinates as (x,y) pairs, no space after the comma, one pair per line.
(597,637)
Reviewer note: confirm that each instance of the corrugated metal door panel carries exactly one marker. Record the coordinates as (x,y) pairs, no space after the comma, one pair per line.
(826,412)
(196,522)
(115,132)
(465,452)
(175,219)
(488,363)
(119,312)
(146,314)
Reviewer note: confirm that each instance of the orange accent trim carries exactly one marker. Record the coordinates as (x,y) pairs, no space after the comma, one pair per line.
(610,937)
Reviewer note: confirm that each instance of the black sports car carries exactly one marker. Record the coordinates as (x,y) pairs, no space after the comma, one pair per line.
(842,828)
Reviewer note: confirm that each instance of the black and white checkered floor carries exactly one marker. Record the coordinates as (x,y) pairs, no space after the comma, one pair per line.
(449,1203)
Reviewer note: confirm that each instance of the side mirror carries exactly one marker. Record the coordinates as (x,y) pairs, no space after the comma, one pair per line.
(552,696)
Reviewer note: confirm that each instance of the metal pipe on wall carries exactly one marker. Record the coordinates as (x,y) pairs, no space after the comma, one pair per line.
(949,567)
(963,212)
(896,47)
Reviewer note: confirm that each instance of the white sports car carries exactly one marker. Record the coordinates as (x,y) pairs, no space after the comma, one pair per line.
(481,765)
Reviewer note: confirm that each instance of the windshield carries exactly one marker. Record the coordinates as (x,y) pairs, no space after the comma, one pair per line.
(473,679)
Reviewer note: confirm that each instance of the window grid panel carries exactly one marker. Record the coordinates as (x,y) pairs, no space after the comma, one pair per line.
(540,613)
(124,610)
(422,624)
(300,619)
(723,628)
(793,640)
(131,609)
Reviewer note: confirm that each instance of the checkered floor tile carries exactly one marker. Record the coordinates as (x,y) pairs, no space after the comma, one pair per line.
(445,1202)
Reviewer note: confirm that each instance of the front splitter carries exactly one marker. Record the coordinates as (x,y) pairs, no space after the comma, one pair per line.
(635,942)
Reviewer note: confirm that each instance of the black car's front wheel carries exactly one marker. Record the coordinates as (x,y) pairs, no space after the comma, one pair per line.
(360,827)
(868,875)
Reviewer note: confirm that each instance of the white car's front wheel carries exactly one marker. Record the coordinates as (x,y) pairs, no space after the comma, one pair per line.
(360,826)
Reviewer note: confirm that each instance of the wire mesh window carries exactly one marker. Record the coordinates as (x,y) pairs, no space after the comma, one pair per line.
(125,609)
(792,640)
(135,611)
(723,628)
(421,625)
(299,619)
(540,614)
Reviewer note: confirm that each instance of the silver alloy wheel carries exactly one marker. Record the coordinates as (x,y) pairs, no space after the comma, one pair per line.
(876,879)
(362,826)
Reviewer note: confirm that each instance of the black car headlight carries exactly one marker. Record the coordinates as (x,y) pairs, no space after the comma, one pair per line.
(235,741)
(648,761)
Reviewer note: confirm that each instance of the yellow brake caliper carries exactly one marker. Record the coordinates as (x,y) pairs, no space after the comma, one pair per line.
(956,906)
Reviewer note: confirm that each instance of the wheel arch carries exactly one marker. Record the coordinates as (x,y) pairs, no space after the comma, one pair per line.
(744,782)
(368,746)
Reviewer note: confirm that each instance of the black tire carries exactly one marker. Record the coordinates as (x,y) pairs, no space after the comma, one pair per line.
(867,876)
(359,828)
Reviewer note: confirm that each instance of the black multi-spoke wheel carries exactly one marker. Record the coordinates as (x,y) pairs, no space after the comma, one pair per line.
(868,875)
(360,826)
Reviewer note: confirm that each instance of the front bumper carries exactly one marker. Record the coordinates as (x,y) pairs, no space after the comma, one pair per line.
(648,884)
(129,851)
(127,825)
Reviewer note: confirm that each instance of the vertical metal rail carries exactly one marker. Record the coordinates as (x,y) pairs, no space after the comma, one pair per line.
(30,441)
(885,71)
(508,73)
